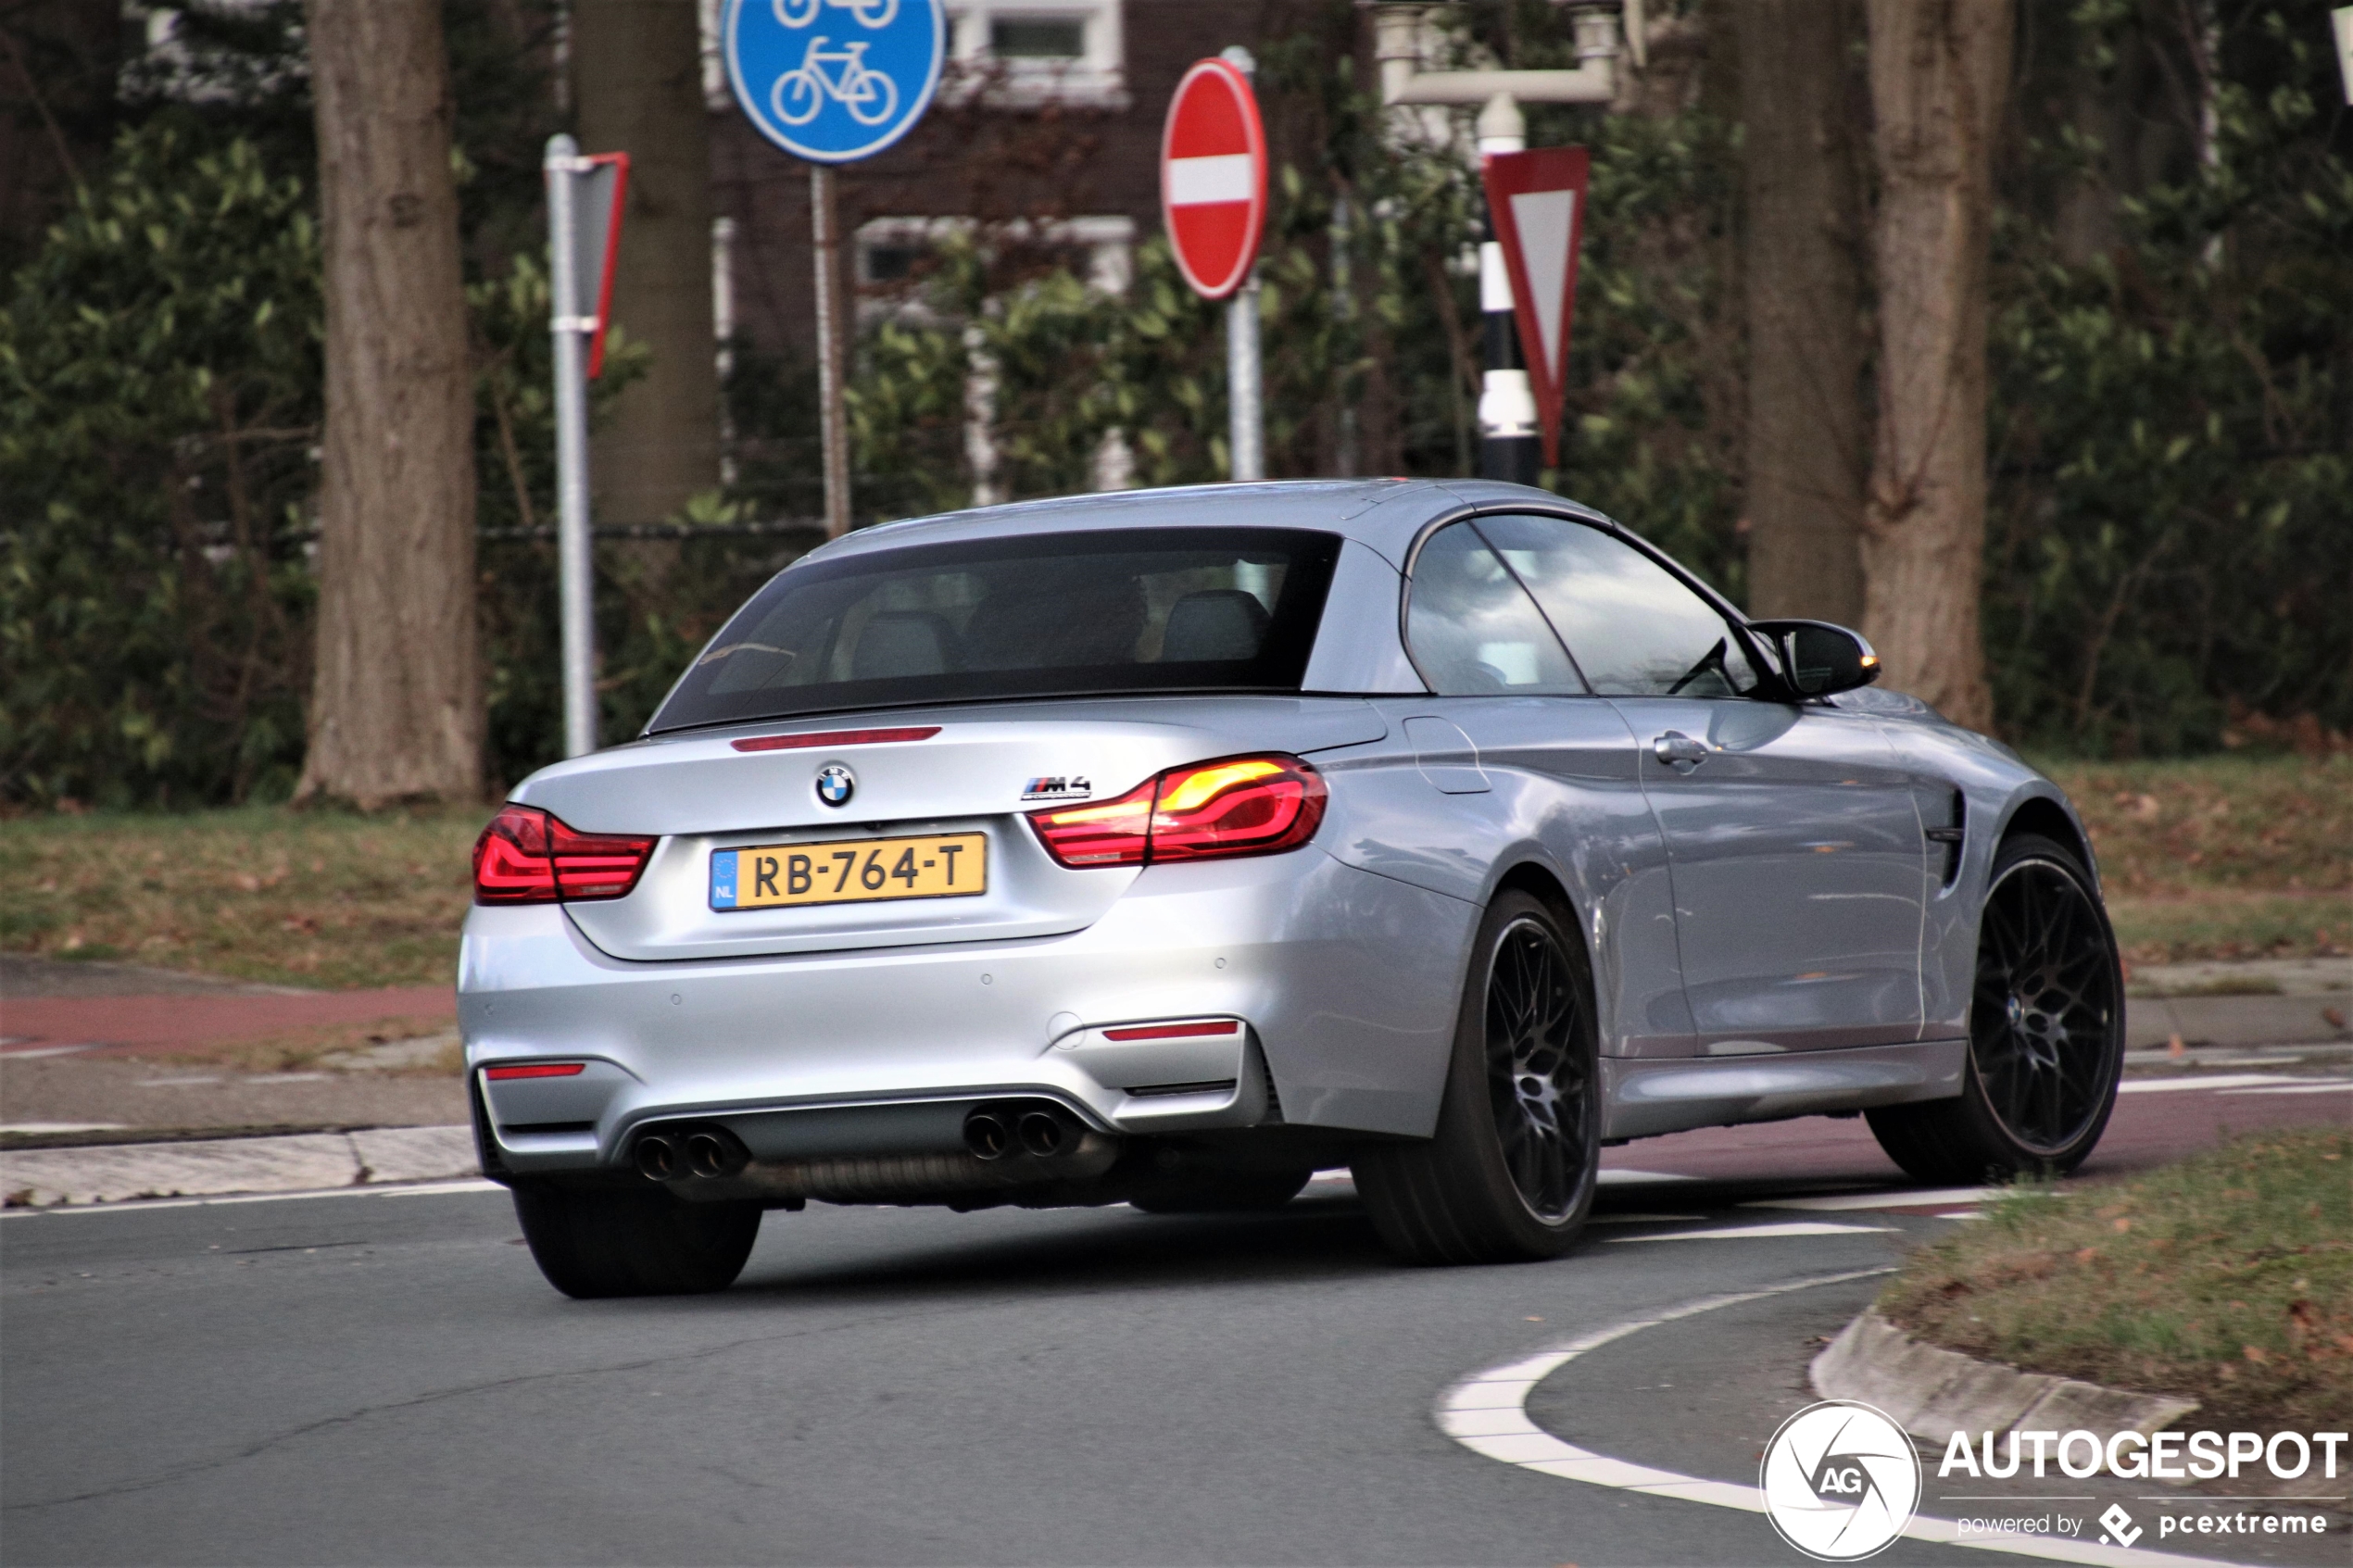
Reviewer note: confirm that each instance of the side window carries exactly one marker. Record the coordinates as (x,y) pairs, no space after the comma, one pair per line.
(1636,628)
(1473,630)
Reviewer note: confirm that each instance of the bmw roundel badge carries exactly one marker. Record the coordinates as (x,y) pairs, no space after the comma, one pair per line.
(836,784)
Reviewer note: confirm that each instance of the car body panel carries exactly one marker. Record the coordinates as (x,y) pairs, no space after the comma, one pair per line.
(702,795)
(1797,861)
(1347,979)
(1544,783)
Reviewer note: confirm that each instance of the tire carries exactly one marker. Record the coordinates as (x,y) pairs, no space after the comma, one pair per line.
(1509,1175)
(2047,1032)
(594,1244)
(1241,1193)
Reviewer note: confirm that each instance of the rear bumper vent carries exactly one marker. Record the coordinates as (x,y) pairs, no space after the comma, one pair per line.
(1211,1086)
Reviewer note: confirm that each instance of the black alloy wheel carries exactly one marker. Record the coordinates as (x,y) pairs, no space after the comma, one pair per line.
(2045,1005)
(1537,1082)
(1510,1171)
(2046,1032)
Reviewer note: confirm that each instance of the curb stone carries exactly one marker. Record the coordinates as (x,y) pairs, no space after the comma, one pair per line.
(1933,1393)
(117,1173)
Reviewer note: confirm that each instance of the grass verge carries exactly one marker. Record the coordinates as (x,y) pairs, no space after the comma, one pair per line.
(2227,1278)
(2209,824)
(2232,925)
(317,899)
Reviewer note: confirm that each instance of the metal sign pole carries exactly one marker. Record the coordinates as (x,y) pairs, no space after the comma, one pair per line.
(1246,409)
(1245,394)
(831,344)
(577,592)
(1509,448)
(833,107)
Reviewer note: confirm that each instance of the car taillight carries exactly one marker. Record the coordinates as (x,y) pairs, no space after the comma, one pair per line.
(1240,806)
(526,856)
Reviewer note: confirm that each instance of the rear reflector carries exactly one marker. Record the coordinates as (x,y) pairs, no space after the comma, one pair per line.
(525,856)
(535,1069)
(1173,1031)
(1207,810)
(837,737)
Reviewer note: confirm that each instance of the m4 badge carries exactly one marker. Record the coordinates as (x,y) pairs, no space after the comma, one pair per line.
(1057,788)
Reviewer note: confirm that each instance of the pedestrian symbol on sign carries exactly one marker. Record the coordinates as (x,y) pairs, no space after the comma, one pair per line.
(834,80)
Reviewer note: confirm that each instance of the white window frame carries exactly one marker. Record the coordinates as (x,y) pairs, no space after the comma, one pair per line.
(1098,78)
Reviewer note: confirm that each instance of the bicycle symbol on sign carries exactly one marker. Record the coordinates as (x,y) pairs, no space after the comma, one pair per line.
(869,95)
(871,14)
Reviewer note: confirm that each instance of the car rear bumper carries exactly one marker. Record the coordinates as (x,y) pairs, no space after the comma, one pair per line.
(1342,982)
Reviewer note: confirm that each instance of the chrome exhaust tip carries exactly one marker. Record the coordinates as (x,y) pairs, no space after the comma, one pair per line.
(987,1135)
(714,1152)
(1045,1135)
(657,1158)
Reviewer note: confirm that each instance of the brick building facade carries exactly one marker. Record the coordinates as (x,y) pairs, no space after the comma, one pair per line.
(1048,120)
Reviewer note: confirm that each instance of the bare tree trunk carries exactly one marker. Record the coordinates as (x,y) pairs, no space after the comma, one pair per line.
(1938,72)
(637,75)
(397,701)
(1803,263)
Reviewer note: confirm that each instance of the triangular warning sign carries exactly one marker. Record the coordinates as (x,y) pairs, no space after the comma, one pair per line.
(1537,202)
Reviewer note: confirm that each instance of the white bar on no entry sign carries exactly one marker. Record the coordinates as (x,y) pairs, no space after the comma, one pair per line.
(1227,178)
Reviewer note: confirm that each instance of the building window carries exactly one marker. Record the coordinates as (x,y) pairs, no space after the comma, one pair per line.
(1026,53)
(1036,38)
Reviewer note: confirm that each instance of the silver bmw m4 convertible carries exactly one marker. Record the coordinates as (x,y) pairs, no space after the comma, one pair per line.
(1166,847)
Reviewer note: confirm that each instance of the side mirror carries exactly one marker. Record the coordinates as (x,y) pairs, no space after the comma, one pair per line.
(1818,659)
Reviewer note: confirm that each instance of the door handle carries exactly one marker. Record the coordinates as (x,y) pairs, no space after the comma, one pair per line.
(1678,750)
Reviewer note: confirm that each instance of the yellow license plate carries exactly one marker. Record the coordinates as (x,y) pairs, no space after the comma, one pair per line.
(850,870)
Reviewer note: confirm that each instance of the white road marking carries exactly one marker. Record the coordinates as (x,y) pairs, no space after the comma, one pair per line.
(14,1054)
(2211,1081)
(1636,1178)
(2338,1087)
(1760,1233)
(1888,1199)
(60,1126)
(1487,1412)
(417,1189)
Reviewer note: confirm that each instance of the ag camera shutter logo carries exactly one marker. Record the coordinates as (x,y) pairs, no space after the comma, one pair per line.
(1840,1480)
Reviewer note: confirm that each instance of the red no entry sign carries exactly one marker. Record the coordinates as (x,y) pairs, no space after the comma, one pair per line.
(1213,177)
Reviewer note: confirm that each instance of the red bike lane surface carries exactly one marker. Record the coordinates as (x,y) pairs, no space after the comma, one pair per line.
(146,1025)
(2148,1129)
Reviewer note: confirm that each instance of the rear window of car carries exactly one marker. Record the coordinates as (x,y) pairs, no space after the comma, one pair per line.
(1114,612)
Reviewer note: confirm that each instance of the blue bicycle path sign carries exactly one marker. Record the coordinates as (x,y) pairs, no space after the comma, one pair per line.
(835,80)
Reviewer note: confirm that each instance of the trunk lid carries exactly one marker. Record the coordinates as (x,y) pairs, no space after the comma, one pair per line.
(702,795)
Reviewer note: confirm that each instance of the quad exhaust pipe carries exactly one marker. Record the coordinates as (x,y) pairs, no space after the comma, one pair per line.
(992,1132)
(710,1152)
(1004,1130)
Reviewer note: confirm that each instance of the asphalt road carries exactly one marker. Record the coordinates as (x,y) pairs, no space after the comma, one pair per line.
(382,1378)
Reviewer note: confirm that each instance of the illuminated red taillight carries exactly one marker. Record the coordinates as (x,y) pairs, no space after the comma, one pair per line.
(1240,806)
(525,856)
(1109,832)
(536,1070)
